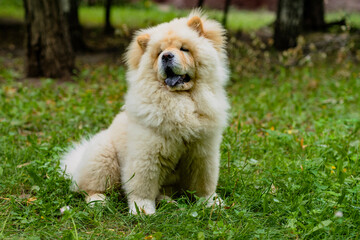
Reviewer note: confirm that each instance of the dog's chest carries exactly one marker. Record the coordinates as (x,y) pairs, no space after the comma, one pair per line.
(181,116)
(173,156)
(172,151)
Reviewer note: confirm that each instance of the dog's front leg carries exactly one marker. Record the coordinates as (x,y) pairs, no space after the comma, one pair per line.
(141,183)
(203,167)
(141,172)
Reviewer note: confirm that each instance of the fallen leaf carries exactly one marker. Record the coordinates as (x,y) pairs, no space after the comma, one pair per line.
(228,207)
(302,144)
(31,200)
(273,189)
(23,165)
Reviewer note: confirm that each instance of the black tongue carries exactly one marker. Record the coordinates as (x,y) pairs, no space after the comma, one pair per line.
(173,80)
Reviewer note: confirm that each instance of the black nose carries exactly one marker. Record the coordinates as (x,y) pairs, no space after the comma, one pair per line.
(168,56)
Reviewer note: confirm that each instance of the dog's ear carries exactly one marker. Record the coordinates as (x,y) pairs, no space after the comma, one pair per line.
(136,49)
(209,29)
(143,40)
(214,31)
(196,24)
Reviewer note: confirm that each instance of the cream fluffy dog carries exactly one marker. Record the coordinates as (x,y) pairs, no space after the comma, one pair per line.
(168,135)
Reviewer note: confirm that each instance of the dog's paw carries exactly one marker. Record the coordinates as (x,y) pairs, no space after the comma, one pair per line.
(96,198)
(145,206)
(167,199)
(213,200)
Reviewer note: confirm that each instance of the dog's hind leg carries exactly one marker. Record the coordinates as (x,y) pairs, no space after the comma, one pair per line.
(98,168)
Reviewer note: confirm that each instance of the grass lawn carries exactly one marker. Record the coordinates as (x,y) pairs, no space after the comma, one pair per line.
(290,158)
(289,167)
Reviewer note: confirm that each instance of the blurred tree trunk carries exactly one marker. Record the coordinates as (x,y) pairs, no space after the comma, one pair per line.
(226,11)
(108,27)
(288,23)
(48,48)
(295,16)
(314,12)
(200,3)
(71,10)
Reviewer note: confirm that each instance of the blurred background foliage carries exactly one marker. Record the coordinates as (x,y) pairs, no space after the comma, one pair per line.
(143,13)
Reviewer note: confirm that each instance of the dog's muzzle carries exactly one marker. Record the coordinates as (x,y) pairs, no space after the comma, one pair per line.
(172,79)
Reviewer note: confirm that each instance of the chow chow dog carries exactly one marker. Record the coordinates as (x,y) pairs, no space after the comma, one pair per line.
(168,134)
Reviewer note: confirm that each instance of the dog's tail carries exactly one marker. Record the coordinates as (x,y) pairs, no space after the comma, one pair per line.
(71,161)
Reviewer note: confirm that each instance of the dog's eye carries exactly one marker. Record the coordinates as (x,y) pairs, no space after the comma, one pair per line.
(184,49)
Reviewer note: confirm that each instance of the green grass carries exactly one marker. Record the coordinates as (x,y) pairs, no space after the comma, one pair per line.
(290,159)
(144,17)
(139,18)
(352,18)
(12,12)
(131,17)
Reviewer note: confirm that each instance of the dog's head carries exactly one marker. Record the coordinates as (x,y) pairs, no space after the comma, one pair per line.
(179,51)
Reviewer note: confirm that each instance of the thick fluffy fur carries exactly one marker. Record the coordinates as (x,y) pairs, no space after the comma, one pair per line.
(166,138)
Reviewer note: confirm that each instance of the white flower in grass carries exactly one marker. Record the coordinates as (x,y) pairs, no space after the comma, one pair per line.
(339,214)
(63,209)
(194,214)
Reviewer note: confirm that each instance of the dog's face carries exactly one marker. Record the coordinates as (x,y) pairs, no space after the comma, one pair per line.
(175,52)
(175,64)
